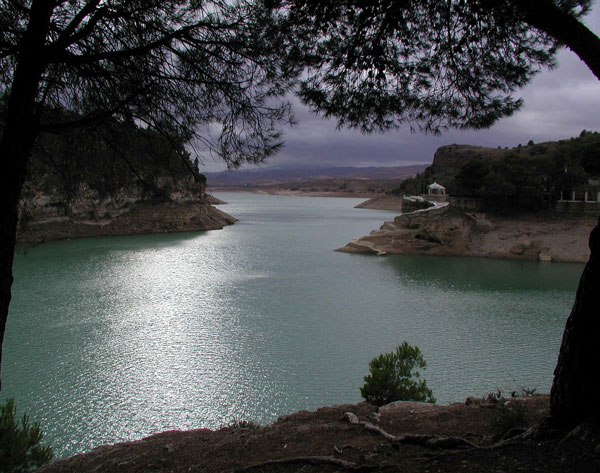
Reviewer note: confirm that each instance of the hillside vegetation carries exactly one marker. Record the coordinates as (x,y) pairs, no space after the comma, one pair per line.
(109,158)
(526,178)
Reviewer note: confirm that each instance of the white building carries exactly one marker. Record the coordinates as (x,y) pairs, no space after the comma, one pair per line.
(437,191)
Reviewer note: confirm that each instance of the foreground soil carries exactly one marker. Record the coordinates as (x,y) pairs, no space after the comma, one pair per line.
(325,441)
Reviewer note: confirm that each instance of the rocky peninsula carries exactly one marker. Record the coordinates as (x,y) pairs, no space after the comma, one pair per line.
(450,231)
(536,202)
(183,206)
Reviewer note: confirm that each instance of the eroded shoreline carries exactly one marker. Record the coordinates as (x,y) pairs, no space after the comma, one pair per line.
(135,219)
(449,231)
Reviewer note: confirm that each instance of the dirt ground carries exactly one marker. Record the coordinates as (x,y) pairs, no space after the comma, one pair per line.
(326,441)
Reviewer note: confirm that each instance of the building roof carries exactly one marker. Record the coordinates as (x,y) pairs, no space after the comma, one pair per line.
(435,185)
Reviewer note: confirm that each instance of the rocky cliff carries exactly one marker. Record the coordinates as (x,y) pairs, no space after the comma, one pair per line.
(536,165)
(454,156)
(180,205)
(449,231)
(448,159)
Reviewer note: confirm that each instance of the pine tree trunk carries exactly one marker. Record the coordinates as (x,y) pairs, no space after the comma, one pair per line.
(14,156)
(10,187)
(15,148)
(18,135)
(574,396)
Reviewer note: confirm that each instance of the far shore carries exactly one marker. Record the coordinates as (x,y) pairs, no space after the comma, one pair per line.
(547,236)
(289,192)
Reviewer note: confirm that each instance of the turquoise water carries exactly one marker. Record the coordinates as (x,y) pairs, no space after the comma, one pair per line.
(112,339)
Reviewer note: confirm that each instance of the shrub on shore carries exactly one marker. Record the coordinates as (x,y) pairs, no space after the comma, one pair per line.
(20,442)
(395,377)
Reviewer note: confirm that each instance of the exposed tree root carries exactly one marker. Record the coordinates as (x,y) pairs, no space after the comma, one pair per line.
(452,445)
(550,428)
(425,440)
(316,460)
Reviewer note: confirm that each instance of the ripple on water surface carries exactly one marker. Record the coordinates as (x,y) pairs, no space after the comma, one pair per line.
(116,338)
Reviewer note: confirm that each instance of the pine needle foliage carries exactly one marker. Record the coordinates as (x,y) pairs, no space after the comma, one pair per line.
(395,377)
(21,450)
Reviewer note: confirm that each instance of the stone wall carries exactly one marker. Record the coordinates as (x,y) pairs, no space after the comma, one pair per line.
(591,207)
(465,203)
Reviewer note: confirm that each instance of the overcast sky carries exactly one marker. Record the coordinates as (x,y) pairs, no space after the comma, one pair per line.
(558,105)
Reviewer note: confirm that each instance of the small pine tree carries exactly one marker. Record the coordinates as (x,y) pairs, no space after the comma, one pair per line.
(20,442)
(395,377)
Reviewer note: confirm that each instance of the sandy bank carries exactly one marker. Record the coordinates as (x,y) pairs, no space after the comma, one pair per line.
(448,231)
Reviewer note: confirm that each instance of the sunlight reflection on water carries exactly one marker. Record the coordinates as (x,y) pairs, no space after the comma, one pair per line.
(117,338)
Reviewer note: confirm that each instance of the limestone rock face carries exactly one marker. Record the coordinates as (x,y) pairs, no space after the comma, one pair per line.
(456,155)
(448,159)
(450,231)
(441,231)
(183,206)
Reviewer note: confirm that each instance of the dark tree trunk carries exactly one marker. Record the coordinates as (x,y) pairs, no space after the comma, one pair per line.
(574,396)
(545,16)
(17,141)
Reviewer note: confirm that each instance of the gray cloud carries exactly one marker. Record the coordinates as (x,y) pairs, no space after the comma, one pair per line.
(558,104)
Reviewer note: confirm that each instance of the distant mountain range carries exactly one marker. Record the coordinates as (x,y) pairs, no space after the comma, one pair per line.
(269,176)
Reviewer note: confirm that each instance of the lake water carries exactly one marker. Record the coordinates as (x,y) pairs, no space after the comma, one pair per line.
(112,339)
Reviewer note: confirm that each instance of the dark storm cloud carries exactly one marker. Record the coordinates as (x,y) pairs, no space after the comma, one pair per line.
(558,104)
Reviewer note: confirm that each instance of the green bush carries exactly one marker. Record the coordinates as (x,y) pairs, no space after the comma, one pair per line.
(395,377)
(20,442)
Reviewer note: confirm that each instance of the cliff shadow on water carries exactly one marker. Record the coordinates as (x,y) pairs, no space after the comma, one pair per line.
(483,274)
